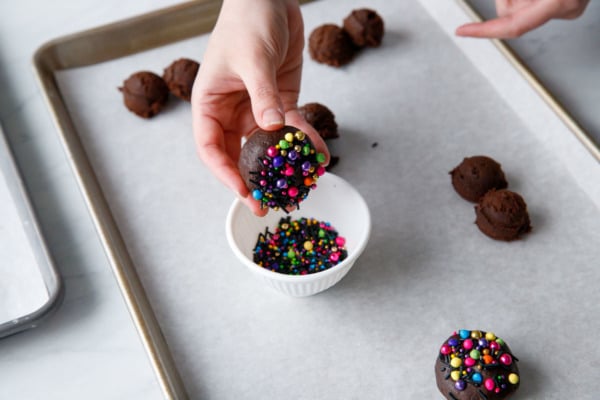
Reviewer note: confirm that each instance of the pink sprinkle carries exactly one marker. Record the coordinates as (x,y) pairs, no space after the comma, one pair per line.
(289,171)
(468,344)
(272,151)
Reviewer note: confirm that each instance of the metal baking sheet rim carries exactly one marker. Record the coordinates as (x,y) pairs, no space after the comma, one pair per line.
(51,277)
(145,32)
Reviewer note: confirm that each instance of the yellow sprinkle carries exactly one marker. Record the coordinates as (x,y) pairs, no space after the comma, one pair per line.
(456,362)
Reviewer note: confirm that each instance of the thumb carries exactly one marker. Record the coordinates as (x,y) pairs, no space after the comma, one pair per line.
(267,106)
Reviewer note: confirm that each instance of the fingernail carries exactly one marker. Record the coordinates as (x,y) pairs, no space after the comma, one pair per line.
(272,117)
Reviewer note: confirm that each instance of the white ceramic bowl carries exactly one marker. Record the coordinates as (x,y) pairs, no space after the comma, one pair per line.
(333,200)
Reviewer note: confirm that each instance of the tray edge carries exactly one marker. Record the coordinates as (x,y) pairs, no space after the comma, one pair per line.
(63,53)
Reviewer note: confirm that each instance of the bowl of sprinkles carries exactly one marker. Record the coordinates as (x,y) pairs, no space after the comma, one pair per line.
(308,250)
(299,247)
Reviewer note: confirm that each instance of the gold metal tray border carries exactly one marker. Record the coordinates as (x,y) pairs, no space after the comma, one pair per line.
(93,46)
(135,35)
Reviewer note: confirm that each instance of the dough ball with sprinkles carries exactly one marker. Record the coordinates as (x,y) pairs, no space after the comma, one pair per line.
(476,365)
(281,167)
(300,247)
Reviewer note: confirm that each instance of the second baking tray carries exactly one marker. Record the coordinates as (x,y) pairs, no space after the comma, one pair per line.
(31,287)
(426,271)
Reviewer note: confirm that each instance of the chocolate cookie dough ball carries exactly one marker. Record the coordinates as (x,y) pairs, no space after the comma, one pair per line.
(280,167)
(145,93)
(330,44)
(474,176)
(476,365)
(502,215)
(180,76)
(365,27)
(321,118)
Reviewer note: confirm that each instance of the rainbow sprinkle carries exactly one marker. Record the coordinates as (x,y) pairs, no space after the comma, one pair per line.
(300,247)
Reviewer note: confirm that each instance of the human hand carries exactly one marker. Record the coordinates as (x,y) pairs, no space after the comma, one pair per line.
(516,17)
(249,78)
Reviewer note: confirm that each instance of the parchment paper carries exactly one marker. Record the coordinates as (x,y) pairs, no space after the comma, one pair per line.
(22,289)
(408,112)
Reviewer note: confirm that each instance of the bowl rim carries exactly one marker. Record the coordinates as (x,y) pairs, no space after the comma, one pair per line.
(346,263)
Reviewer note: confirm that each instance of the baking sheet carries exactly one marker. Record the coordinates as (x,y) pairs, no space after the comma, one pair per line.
(30,286)
(426,271)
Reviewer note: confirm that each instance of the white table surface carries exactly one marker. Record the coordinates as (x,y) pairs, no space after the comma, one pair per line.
(89,348)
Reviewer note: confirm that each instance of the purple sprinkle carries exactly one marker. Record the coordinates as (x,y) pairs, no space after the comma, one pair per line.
(460,385)
(278,161)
